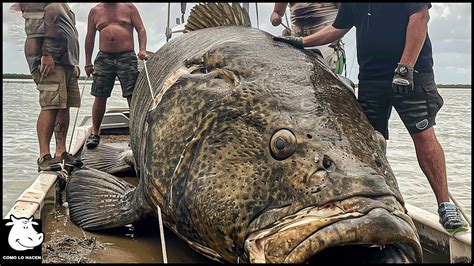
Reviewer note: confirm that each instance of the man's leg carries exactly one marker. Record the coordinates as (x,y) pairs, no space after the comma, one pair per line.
(418,110)
(98,111)
(60,130)
(104,78)
(431,159)
(44,129)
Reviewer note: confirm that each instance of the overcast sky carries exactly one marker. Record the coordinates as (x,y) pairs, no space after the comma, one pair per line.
(449,29)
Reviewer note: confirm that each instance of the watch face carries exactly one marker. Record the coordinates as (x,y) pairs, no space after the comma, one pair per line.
(403,70)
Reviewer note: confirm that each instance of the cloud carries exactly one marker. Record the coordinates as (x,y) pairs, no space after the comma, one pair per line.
(449,30)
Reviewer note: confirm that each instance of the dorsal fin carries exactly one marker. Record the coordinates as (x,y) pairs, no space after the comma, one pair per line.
(215,15)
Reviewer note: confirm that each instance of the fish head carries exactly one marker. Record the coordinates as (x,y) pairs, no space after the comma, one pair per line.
(329,194)
(277,183)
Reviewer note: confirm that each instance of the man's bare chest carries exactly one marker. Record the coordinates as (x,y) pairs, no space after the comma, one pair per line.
(104,19)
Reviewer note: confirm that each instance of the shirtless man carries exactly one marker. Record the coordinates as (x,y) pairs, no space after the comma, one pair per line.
(116,56)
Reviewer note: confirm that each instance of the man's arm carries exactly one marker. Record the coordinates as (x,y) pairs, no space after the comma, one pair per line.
(277,14)
(138,24)
(327,35)
(415,37)
(47,61)
(417,29)
(89,42)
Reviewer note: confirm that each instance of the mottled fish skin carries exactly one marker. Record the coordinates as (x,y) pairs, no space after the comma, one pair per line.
(204,152)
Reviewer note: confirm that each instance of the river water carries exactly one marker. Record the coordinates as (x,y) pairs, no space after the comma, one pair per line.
(453,129)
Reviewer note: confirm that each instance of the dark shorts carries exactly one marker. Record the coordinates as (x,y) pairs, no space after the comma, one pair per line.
(417,109)
(107,66)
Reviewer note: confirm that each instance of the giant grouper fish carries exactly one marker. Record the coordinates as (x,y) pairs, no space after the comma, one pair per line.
(254,151)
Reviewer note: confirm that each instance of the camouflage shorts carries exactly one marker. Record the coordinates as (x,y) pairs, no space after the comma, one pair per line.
(417,109)
(107,66)
(59,90)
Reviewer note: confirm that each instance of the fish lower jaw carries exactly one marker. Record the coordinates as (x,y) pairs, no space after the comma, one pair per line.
(378,236)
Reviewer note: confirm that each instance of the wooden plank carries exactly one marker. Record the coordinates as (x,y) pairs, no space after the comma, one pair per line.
(32,198)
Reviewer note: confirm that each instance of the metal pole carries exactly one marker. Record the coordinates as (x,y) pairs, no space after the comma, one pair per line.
(77,113)
(183,11)
(168,30)
(256,11)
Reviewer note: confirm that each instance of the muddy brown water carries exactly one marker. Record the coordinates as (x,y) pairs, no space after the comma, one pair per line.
(138,243)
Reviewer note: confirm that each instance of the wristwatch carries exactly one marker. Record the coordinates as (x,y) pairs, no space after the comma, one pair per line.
(401,70)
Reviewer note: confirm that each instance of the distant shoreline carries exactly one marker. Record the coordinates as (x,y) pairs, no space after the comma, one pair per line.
(28,77)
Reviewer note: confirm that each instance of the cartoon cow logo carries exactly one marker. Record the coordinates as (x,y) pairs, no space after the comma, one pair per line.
(22,235)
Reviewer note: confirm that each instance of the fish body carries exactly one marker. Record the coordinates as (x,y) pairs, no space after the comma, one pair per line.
(255,152)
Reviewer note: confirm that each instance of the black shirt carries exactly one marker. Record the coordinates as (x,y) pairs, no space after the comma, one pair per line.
(381,37)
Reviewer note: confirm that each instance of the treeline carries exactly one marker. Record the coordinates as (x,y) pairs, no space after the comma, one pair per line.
(23,76)
(28,76)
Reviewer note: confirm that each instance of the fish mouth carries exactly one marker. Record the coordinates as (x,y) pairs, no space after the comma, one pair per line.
(378,234)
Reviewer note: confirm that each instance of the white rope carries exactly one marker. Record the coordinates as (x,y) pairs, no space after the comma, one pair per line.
(77,113)
(148,79)
(460,209)
(162,236)
(287,23)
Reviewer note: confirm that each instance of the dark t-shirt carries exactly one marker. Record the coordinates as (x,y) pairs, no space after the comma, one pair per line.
(381,37)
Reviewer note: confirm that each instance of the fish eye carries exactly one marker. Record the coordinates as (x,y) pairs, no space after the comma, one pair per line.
(328,164)
(282,144)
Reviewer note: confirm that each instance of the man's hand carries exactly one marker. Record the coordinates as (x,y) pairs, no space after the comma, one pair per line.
(89,69)
(403,79)
(47,65)
(295,41)
(77,71)
(275,19)
(142,55)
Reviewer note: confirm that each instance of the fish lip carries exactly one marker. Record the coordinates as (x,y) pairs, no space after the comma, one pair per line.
(274,244)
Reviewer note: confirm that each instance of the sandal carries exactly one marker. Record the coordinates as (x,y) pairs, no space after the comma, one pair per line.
(46,163)
(92,141)
(70,161)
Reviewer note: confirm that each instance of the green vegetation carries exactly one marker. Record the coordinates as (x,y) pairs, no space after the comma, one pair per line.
(449,86)
(25,76)
(16,76)
(462,86)
(28,76)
